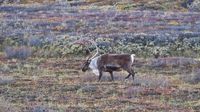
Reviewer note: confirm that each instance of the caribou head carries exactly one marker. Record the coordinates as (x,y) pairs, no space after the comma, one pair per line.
(89,62)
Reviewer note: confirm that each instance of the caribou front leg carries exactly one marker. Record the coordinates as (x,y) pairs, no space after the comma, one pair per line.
(111,74)
(100,75)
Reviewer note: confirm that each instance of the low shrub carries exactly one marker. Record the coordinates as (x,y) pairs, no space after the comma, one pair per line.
(195,5)
(22,52)
(35,42)
(173,62)
(87,89)
(193,77)
(152,81)
(39,109)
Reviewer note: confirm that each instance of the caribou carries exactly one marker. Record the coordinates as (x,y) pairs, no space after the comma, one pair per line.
(109,63)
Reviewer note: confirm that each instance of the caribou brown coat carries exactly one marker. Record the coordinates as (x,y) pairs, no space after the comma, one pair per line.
(110,63)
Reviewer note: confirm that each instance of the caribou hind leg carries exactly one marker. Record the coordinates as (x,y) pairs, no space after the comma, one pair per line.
(128,76)
(131,73)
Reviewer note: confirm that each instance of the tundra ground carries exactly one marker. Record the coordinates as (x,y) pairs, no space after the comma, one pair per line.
(59,85)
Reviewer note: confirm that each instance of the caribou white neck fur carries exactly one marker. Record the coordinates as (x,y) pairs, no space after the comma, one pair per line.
(93,65)
(132,57)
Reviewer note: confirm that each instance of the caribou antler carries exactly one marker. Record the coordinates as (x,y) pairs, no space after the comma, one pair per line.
(84,42)
(97,52)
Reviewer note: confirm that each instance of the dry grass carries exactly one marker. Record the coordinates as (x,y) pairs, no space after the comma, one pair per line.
(58,88)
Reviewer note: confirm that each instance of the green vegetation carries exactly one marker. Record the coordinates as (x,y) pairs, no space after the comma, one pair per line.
(63,47)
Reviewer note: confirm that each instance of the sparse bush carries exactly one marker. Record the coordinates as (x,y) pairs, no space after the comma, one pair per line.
(58,48)
(14,41)
(195,6)
(89,77)
(173,62)
(150,81)
(35,42)
(6,106)
(39,109)
(7,80)
(132,108)
(70,88)
(18,52)
(132,92)
(2,39)
(87,89)
(193,77)
(186,3)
